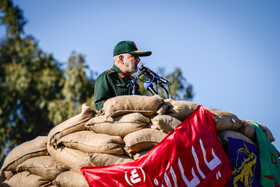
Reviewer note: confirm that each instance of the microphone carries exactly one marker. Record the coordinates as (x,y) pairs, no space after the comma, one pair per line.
(150,74)
(147,72)
(149,86)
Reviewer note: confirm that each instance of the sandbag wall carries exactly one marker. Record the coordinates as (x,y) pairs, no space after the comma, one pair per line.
(34,164)
(127,129)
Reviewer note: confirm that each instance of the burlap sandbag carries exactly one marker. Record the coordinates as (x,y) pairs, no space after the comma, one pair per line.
(248,130)
(180,109)
(226,120)
(224,135)
(117,129)
(44,166)
(125,118)
(146,105)
(142,140)
(74,124)
(25,179)
(107,159)
(5,175)
(165,122)
(163,109)
(70,179)
(24,151)
(73,158)
(140,154)
(90,142)
(119,126)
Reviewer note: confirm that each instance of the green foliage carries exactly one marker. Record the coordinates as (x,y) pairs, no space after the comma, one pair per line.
(77,89)
(180,88)
(29,78)
(13,18)
(35,92)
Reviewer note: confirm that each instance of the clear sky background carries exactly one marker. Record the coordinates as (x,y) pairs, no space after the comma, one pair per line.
(229,50)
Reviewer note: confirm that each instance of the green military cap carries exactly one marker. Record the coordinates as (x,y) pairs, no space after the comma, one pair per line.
(129,47)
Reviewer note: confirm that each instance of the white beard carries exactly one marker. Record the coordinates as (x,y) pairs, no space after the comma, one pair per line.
(130,66)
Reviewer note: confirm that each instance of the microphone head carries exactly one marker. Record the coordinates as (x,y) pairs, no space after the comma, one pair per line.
(147,84)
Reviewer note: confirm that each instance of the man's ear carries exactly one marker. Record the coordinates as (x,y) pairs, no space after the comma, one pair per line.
(121,59)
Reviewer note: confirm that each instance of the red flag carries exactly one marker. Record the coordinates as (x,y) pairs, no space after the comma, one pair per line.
(190,155)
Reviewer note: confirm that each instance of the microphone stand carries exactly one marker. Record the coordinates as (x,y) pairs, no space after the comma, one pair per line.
(132,83)
(153,78)
(159,81)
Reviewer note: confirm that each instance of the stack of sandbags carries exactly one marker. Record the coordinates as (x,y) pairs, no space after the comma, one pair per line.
(229,125)
(171,113)
(32,164)
(10,171)
(129,118)
(91,140)
(126,129)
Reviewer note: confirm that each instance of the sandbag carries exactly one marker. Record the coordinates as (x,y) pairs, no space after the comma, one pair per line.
(90,142)
(5,175)
(70,179)
(107,159)
(224,135)
(24,151)
(140,154)
(74,124)
(163,109)
(25,179)
(165,122)
(142,140)
(180,109)
(73,158)
(116,129)
(44,166)
(226,120)
(118,126)
(146,105)
(125,118)
(248,130)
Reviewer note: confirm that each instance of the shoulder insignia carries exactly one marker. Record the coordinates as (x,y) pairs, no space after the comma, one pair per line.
(121,75)
(109,71)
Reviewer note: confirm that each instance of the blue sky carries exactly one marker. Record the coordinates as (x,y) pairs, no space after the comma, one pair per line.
(228,49)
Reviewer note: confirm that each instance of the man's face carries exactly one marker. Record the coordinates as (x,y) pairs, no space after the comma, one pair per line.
(130,63)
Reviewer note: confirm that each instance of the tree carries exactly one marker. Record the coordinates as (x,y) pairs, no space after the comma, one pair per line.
(180,88)
(77,89)
(35,92)
(13,19)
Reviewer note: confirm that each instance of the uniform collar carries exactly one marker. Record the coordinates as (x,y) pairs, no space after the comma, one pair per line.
(116,69)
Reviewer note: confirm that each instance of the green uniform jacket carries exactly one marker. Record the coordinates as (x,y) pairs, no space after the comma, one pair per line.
(112,83)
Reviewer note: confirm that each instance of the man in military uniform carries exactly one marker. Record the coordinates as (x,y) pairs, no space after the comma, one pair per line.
(116,81)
